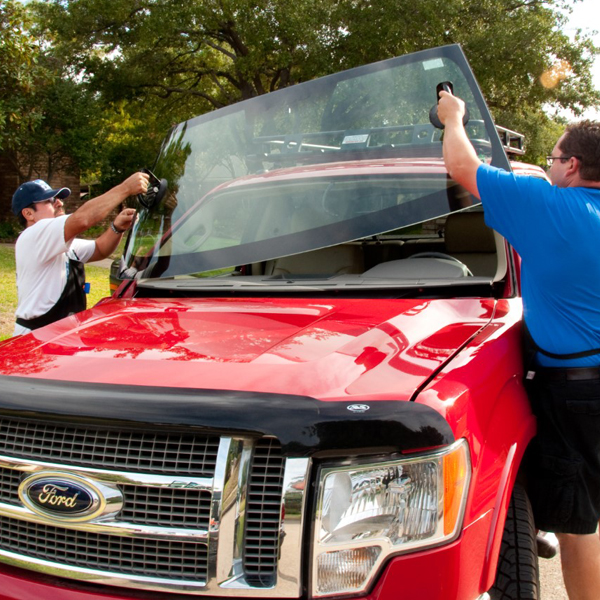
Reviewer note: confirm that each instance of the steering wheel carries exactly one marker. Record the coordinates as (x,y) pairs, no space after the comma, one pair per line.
(444,256)
(155,192)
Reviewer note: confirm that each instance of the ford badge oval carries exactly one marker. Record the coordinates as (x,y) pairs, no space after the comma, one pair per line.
(63,497)
(358,408)
(60,496)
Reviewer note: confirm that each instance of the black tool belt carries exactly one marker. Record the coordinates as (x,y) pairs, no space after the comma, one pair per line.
(72,299)
(530,347)
(568,374)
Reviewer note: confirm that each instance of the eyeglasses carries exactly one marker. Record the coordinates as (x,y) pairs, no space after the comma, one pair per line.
(551,159)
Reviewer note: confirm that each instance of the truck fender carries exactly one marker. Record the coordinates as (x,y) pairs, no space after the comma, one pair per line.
(512,409)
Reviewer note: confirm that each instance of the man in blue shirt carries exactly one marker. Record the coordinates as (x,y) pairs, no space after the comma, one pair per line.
(556,230)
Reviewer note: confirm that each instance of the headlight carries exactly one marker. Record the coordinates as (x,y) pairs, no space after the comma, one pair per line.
(367,512)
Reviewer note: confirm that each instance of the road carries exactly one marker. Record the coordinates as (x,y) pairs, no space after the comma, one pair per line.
(551,581)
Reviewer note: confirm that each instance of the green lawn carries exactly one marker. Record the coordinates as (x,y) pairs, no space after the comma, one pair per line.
(96,276)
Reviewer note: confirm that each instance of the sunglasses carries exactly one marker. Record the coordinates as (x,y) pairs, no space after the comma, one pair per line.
(49,201)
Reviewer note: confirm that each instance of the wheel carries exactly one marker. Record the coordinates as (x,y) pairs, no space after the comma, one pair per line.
(517,577)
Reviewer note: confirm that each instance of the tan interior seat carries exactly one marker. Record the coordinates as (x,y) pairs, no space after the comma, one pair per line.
(336,260)
(472,242)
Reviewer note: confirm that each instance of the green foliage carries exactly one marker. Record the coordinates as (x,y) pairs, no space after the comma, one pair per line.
(66,136)
(49,117)
(9,230)
(157,62)
(20,75)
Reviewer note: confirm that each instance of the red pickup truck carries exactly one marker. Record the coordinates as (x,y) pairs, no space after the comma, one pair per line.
(308,384)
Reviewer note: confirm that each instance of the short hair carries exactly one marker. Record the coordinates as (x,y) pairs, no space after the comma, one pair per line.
(582,140)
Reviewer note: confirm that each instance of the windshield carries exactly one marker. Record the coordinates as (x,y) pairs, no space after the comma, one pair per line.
(336,160)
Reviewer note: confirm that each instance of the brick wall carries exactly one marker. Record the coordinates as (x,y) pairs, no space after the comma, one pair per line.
(9,182)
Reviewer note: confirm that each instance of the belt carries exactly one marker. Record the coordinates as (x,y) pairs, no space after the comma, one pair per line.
(570,374)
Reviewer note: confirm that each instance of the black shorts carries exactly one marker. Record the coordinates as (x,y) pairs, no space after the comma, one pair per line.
(563,461)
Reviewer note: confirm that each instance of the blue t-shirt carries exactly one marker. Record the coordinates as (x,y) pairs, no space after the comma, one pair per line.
(556,231)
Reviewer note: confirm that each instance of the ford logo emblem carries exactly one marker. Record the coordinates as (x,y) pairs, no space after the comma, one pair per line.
(60,496)
(358,408)
(65,497)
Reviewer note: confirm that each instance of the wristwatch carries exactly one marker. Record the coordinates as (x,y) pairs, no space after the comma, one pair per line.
(117,231)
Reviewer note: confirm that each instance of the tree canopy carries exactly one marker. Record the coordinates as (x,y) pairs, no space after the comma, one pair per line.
(46,117)
(20,74)
(156,62)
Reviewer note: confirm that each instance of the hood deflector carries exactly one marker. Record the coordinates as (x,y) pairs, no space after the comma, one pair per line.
(305,426)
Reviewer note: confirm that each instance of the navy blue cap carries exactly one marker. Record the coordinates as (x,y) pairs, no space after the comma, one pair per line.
(35,191)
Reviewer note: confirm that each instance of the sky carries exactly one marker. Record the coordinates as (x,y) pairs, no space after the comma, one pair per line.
(585,16)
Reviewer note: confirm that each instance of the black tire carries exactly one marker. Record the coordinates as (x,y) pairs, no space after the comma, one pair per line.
(517,577)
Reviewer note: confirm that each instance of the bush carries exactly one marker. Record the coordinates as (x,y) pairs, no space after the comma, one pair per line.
(9,231)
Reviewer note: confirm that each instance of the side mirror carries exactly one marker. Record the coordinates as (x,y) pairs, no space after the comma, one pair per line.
(157,188)
(446,86)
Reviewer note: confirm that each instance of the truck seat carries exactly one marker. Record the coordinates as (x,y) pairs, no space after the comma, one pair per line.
(335,260)
(472,242)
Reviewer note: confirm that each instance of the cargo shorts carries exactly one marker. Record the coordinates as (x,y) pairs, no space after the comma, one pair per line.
(563,460)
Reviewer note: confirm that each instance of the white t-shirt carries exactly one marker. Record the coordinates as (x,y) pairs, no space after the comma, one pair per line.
(42,258)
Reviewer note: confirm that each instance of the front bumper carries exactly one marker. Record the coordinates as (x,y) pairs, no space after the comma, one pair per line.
(451,572)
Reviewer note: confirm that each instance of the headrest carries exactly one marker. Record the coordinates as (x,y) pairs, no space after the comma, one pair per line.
(467,232)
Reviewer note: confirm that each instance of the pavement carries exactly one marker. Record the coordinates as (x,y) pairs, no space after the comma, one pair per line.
(105,263)
(552,586)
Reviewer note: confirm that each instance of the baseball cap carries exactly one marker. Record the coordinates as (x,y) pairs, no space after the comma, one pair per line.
(35,191)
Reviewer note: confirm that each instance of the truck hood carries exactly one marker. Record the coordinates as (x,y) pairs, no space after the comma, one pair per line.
(330,349)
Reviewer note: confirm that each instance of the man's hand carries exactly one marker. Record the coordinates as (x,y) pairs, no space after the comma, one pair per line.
(460,157)
(450,107)
(136,184)
(124,220)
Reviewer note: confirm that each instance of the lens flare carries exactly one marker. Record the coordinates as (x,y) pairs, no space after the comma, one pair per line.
(557,73)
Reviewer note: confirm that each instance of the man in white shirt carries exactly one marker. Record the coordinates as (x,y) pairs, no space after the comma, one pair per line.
(49,257)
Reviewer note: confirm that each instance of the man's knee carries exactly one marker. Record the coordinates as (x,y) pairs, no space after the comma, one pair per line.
(574,541)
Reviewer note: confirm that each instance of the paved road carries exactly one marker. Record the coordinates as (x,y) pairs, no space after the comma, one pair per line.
(551,581)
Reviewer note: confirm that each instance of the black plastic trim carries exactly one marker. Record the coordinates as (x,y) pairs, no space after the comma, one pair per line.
(305,426)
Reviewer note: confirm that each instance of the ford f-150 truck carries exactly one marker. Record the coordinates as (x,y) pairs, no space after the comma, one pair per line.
(308,384)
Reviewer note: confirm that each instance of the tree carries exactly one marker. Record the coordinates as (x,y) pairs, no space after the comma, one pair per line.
(46,117)
(20,75)
(203,54)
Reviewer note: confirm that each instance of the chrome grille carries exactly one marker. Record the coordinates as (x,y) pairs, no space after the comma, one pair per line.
(155,558)
(142,451)
(263,514)
(165,507)
(144,505)
(9,484)
(170,531)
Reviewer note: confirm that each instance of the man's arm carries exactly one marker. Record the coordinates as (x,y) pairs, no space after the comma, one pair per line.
(459,155)
(107,243)
(97,209)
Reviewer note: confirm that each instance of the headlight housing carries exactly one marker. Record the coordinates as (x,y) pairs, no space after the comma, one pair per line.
(366,512)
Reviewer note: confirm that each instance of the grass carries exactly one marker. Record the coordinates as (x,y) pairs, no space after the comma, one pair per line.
(96,276)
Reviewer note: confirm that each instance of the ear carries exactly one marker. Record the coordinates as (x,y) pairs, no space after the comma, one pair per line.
(28,215)
(573,166)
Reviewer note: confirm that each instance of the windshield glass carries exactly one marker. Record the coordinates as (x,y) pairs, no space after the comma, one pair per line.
(334,160)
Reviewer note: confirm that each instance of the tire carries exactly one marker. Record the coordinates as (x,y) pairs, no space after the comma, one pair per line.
(517,576)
